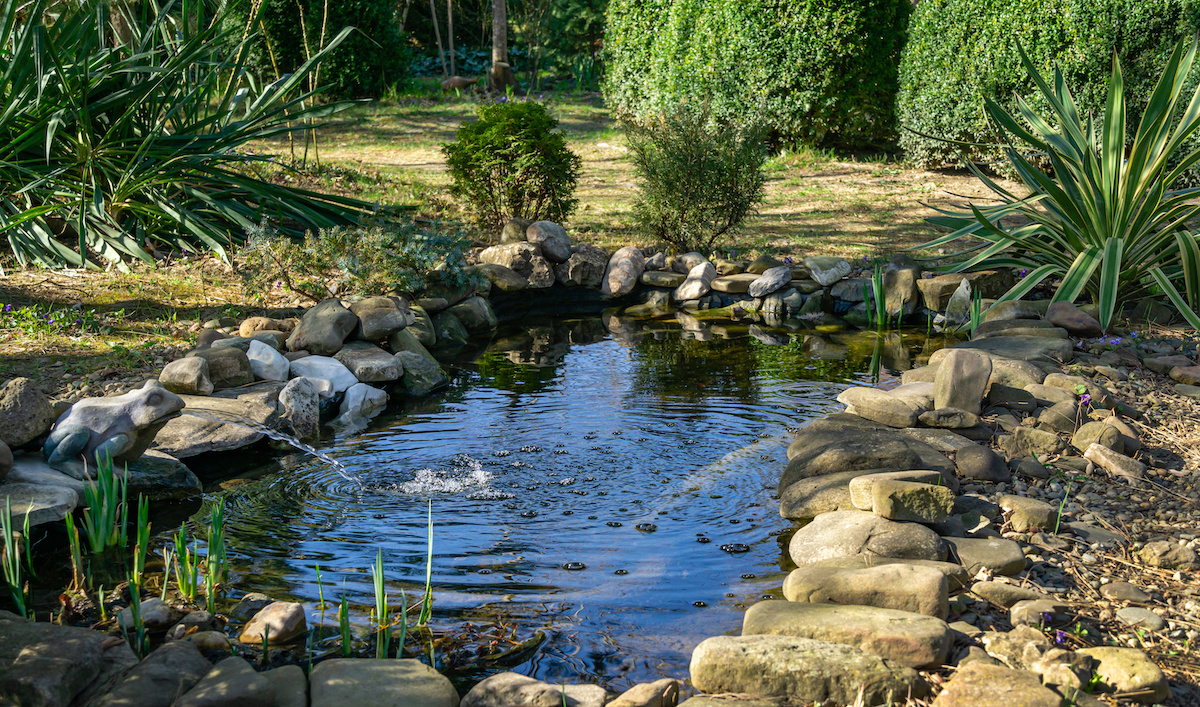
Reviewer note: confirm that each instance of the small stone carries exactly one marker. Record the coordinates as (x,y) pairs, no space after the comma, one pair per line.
(978,684)
(504,689)
(949,418)
(961,380)
(421,376)
(1039,613)
(323,328)
(379,318)
(300,408)
(862,488)
(981,464)
(1164,364)
(899,586)
(849,533)
(827,270)
(697,284)
(911,501)
(553,238)
(771,280)
(1097,432)
(1123,591)
(1074,320)
(993,554)
(1115,463)
(280,622)
(369,363)
(156,614)
(228,366)
(1129,671)
(1004,594)
(329,374)
(266,363)
(231,683)
(880,406)
(159,680)
(1169,555)
(347,682)
(1029,441)
(1186,375)
(660,693)
(1029,513)
(624,269)
(1138,617)
(187,376)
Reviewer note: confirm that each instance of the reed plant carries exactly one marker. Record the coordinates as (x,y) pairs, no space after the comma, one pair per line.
(141,643)
(104,519)
(187,567)
(79,579)
(12,560)
(382,619)
(344,626)
(216,569)
(427,603)
(143,538)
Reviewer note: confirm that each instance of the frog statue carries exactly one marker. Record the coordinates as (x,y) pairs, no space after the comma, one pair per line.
(122,427)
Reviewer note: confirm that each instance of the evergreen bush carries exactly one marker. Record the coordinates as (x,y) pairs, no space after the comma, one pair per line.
(512,162)
(698,180)
(815,72)
(961,50)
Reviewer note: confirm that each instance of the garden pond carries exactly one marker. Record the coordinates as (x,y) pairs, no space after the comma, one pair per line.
(601,493)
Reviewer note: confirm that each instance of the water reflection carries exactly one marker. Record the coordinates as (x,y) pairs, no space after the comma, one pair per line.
(637,448)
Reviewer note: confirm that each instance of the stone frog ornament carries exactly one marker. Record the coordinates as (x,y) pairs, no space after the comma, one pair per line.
(122,426)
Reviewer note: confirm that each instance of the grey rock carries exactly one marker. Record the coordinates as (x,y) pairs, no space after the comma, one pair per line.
(25,412)
(849,533)
(290,685)
(251,604)
(880,406)
(911,501)
(903,637)
(956,575)
(1130,671)
(157,681)
(1024,348)
(949,418)
(513,689)
(279,622)
(770,281)
(228,366)
(585,267)
(808,498)
(156,614)
(344,682)
(996,555)
(122,426)
(422,327)
(329,374)
(733,284)
(665,278)
(187,435)
(978,684)
(300,408)
(981,464)
(231,683)
(161,477)
(369,363)
(660,693)
(1115,463)
(502,278)
(553,238)
(800,669)
(405,340)
(943,441)
(902,296)
(379,318)
(266,363)
(323,328)
(687,262)
(1168,555)
(1039,613)
(450,331)
(902,587)
(518,257)
(1005,595)
(962,380)
(44,664)
(1074,320)
(421,376)
(862,488)
(514,231)
(361,404)
(1138,617)
(1027,441)
(697,284)
(1123,591)
(847,442)
(1164,364)
(1029,513)
(475,315)
(187,376)
(826,270)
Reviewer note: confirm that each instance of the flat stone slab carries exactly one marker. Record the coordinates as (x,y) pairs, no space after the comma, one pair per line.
(849,533)
(956,575)
(43,504)
(801,669)
(907,638)
(32,469)
(353,682)
(903,587)
(996,555)
(981,685)
(1024,348)
(44,663)
(189,435)
(734,284)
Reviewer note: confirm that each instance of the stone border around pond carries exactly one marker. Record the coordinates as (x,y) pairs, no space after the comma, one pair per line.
(905,495)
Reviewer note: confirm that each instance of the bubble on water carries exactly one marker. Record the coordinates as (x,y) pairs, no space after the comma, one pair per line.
(613,524)
(562,451)
(700,604)
(646,527)
(748,575)
(574,566)
(767,596)
(529,448)
(703,540)
(529,514)
(464,475)
(621,572)
(568,513)
(501,453)
(485,571)
(735,548)
(592,517)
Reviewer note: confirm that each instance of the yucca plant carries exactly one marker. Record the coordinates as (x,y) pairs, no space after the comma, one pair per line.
(116,143)
(1105,218)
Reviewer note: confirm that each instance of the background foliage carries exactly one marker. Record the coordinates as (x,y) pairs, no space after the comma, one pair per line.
(959,49)
(122,134)
(816,72)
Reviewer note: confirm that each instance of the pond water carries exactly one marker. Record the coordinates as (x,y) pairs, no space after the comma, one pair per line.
(607,482)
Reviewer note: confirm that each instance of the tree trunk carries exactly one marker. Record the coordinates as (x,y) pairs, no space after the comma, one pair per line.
(502,74)
(437,34)
(450,34)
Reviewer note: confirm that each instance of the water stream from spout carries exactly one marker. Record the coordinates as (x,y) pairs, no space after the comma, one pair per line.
(227,418)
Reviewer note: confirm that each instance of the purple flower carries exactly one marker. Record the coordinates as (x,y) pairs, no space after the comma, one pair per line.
(8,308)
(1060,636)
(1086,399)
(1115,340)
(1024,272)
(788,260)
(1134,334)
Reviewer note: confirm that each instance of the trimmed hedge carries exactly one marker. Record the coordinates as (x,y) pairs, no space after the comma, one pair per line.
(960,49)
(816,72)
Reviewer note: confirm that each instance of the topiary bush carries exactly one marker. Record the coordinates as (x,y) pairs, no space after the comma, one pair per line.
(815,72)
(512,162)
(960,50)
(697,180)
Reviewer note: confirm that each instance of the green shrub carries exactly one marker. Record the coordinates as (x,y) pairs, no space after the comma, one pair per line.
(959,49)
(112,147)
(816,72)
(698,179)
(511,162)
(1106,221)
(374,259)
